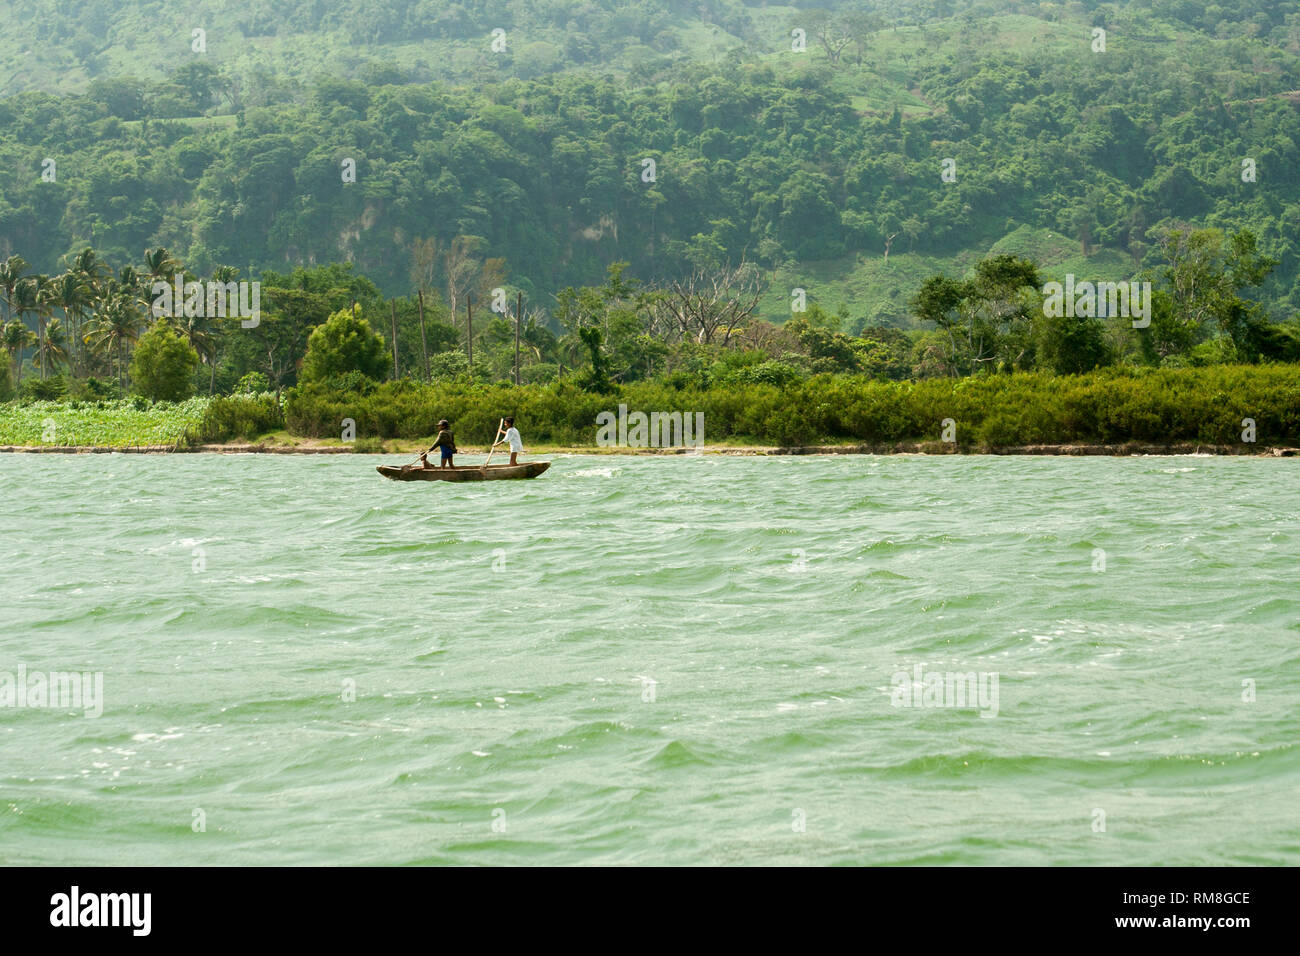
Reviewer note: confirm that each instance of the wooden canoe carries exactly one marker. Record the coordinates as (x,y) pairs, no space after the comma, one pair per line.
(529,469)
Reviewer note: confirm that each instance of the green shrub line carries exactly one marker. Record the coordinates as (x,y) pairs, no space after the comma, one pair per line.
(1108,406)
(239,418)
(115,423)
(136,423)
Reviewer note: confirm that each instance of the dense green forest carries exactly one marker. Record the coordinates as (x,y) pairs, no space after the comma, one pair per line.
(100,331)
(705,196)
(823,168)
(1244,409)
(60,44)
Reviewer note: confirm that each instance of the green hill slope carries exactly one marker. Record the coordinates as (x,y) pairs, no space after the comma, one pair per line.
(810,163)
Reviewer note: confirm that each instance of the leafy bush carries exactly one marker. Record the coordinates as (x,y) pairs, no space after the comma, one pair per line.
(1111,405)
(240,417)
(114,424)
(43,390)
(540,373)
(35,389)
(1069,345)
(448,365)
(344,343)
(252,384)
(93,390)
(350,382)
(764,373)
(163,365)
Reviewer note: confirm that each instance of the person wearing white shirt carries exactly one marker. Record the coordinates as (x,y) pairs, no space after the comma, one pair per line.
(516,443)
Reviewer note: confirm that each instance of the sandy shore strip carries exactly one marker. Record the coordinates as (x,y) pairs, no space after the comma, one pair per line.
(308,447)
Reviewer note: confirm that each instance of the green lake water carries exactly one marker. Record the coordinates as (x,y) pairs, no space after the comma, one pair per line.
(637,660)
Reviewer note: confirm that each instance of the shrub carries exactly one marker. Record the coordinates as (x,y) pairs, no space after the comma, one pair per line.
(764,373)
(1069,345)
(252,384)
(163,365)
(240,417)
(107,423)
(344,343)
(448,365)
(538,374)
(1105,406)
(93,390)
(43,390)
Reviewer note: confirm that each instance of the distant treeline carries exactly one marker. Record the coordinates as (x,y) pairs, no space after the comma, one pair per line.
(779,160)
(1159,406)
(92,332)
(1214,406)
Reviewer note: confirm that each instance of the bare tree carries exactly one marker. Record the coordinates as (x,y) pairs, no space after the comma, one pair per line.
(709,304)
(464,272)
(491,275)
(830,32)
(460,269)
(861,26)
(424,263)
(775,340)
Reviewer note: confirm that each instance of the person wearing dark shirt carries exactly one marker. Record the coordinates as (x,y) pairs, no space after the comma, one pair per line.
(446,442)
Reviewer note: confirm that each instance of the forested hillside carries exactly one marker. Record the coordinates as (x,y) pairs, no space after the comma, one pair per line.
(824,167)
(63,44)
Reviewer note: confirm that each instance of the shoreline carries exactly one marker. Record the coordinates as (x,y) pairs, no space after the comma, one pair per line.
(1126,449)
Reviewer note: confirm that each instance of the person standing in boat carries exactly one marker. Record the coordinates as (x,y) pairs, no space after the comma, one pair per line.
(446,442)
(516,443)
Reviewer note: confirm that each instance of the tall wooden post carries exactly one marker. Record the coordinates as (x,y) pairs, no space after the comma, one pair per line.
(424,341)
(396,373)
(469,328)
(519,314)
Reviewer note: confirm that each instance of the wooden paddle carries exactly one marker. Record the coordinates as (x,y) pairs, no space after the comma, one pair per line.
(417,461)
(414,463)
(500,429)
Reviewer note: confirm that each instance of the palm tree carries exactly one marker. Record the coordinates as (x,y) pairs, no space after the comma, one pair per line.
(117,323)
(199,332)
(44,309)
(95,274)
(160,264)
(535,336)
(86,263)
(16,338)
(11,271)
(72,293)
(132,283)
(54,348)
(26,298)
(208,340)
(128,280)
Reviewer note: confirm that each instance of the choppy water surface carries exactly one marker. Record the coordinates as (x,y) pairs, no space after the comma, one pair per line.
(654,660)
